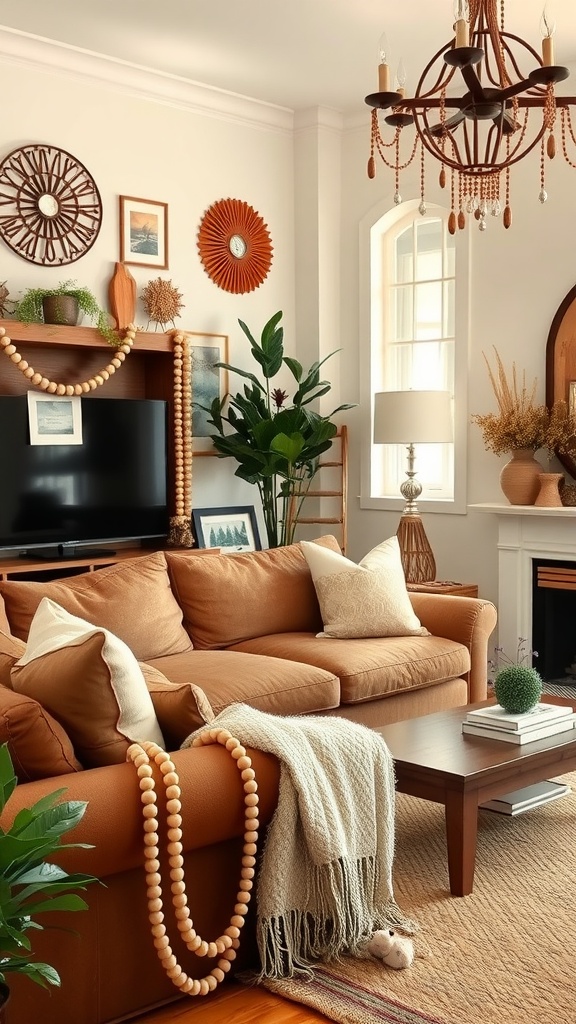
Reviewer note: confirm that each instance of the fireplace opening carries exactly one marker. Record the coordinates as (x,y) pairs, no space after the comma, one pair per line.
(554,620)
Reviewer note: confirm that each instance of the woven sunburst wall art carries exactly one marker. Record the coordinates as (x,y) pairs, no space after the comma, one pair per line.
(234,245)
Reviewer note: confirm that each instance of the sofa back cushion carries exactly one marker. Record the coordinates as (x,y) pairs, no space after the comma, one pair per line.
(4,624)
(38,744)
(90,681)
(131,599)
(11,648)
(230,598)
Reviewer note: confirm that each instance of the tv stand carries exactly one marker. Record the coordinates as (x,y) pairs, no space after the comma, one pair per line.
(63,552)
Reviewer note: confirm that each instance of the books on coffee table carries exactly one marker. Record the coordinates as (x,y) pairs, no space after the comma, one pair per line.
(540,722)
(521,800)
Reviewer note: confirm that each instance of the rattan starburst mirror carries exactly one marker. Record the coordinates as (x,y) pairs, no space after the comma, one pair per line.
(234,245)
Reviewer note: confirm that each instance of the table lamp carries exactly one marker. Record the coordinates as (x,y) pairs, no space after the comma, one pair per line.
(413,417)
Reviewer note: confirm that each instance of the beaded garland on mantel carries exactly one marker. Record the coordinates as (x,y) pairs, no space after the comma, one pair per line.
(225,945)
(180,534)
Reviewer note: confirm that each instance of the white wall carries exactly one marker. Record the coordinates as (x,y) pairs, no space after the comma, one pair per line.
(158,138)
(188,150)
(518,279)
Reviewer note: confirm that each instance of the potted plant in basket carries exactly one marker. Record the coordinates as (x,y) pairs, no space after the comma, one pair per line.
(63,305)
(276,441)
(29,884)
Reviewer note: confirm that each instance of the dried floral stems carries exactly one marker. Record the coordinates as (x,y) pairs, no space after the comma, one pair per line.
(225,945)
(51,387)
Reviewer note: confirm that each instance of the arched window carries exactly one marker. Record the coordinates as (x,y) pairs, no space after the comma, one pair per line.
(418,339)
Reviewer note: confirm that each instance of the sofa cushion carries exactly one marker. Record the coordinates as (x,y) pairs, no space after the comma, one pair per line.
(10,650)
(132,599)
(365,600)
(229,598)
(4,624)
(369,668)
(180,707)
(280,687)
(90,681)
(38,745)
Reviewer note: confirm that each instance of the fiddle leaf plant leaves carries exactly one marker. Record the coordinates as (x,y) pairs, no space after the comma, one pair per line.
(276,441)
(29,884)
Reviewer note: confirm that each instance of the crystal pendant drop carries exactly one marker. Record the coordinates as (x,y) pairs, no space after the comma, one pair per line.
(482,224)
(422,208)
(543,195)
(469,206)
(496,208)
(397,199)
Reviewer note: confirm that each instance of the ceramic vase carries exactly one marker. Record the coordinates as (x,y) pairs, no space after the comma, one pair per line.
(549,493)
(519,478)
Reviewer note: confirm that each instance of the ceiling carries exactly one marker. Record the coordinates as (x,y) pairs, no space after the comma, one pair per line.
(296,54)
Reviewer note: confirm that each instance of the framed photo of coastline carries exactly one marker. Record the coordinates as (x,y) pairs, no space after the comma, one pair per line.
(230,529)
(209,381)
(143,232)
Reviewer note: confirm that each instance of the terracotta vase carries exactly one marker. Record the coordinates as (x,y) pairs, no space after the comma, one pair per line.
(549,494)
(519,478)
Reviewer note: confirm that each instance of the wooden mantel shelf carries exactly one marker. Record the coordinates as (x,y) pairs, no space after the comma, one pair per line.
(564,512)
(78,337)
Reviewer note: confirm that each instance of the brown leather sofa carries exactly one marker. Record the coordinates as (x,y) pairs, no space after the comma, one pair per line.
(242,628)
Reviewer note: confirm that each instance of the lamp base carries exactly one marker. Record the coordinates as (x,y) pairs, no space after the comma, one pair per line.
(415,551)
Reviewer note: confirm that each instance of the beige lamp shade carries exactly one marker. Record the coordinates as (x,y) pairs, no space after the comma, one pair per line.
(412,417)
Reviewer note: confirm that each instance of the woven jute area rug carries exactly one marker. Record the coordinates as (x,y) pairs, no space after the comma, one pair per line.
(503,955)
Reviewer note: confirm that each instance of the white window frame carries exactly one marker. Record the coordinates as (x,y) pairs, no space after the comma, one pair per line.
(371,370)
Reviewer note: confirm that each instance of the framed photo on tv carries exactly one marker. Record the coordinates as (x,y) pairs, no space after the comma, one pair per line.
(54,419)
(230,529)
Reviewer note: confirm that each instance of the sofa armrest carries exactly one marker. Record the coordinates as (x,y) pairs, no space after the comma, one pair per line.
(467,620)
(212,806)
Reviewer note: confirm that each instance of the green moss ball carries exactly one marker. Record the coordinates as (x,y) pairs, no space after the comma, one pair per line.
(518,688)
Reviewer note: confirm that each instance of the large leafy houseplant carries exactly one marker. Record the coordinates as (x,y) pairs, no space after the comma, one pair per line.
(275,440)
(29,884)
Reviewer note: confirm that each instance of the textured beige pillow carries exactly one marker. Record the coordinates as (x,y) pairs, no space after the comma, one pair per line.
(90,681)
(132,599)
(365,600)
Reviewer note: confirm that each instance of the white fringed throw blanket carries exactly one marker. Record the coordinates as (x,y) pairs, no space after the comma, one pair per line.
(325,880)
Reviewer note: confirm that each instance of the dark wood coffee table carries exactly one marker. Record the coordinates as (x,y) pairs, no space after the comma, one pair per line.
(435,761)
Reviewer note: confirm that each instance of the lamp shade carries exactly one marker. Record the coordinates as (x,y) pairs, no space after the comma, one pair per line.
(412,417)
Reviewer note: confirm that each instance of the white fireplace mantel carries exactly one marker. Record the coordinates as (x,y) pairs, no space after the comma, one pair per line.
(526,533)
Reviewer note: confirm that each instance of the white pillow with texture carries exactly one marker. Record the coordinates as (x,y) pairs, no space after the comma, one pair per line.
(365,600)
(81,669)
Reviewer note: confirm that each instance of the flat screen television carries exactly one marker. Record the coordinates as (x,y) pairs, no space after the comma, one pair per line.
(112,487)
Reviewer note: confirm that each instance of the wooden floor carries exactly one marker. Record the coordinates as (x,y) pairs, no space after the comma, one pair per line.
(233,1002)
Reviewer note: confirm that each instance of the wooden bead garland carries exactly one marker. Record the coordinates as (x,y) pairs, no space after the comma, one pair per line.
(180,523)
(51,387)
(225,945)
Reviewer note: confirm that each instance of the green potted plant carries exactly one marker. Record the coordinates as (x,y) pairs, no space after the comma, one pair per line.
(30,884)
(517,685)
(276,441)
(62,305)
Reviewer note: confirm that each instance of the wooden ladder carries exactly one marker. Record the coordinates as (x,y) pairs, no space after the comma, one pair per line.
(334,465)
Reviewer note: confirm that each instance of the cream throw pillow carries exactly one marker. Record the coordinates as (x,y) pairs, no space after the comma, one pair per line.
(90,681)
(365,600)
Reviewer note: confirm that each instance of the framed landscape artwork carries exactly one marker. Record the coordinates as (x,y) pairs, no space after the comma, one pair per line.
(143,232)
(209,381)
(230,529)
(54,419)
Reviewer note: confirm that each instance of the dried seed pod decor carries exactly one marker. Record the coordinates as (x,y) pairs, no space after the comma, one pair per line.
(161,302)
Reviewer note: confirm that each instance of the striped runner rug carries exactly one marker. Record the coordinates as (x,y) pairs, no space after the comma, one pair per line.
(503,955)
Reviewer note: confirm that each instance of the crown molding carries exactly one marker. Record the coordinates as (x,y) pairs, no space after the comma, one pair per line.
(22,49)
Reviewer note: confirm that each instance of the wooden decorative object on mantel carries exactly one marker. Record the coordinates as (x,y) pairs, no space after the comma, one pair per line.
(122,296)
(561,361)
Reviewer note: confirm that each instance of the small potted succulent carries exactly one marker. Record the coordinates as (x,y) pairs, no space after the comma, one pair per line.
(517,685)
(29,883)
(63,305)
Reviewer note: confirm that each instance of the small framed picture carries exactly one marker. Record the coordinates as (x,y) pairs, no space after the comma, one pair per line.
(209,381)
(54,419)
(230,529)
(143,232)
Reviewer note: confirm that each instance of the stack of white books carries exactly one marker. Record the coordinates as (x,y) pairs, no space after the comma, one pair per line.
(541,721)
